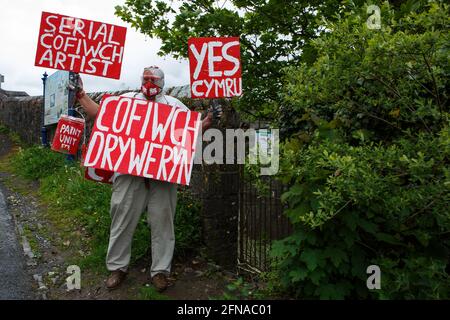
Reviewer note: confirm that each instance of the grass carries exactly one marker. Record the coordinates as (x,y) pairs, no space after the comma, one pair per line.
(150,293)
(3,129)
(7,160)
(78,209)
(34,244)
(15,138)
(81,206)
(76,213)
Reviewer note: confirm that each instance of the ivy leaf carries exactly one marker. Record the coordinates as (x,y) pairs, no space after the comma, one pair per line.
(312,257)
(350,220)
(295,191)
(316,276)
(388,239)
(423,237)
(278,249)
(395,113)
(336,255)
(367,226)
(358,261)
(298,274)
(332,291)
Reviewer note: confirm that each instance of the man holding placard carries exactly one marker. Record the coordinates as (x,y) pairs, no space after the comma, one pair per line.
(132,194)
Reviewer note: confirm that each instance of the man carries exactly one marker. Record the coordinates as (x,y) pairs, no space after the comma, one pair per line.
(132,194)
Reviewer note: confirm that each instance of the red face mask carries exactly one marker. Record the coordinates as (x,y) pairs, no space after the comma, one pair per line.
(150,89)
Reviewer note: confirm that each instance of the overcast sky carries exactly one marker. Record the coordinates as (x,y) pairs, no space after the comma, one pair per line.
(19,29)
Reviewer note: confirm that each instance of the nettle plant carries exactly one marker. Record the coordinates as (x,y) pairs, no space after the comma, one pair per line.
(367,160)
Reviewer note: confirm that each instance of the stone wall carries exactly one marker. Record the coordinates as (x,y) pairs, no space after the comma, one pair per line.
(22,114)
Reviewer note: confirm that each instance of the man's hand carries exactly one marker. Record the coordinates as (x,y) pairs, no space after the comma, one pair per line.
(76,84)
(214,113)
(215,110)
(89,105)
(207,122)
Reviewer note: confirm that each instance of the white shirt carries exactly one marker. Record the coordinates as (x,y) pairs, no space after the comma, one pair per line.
(160,98)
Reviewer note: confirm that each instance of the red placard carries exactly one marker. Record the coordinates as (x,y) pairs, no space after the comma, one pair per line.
(68,134)
(80,45)
(215,67)
(98,175)
(143,138)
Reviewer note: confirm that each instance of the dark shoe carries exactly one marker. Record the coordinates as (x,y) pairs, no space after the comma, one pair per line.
(160,282)
(115,279)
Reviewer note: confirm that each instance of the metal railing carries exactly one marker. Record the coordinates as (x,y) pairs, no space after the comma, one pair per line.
(261,221)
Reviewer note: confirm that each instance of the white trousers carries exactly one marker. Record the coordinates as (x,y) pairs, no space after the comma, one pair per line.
(129,199)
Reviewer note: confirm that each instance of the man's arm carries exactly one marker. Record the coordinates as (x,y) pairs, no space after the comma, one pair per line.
(207,122)
(89,105)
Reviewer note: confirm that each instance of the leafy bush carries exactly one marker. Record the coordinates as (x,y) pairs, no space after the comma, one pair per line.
(368,160)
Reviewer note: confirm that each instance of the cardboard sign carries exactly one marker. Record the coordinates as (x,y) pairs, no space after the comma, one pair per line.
(215,67)
(143,138)
(68,134)
(79,45)
(98,175)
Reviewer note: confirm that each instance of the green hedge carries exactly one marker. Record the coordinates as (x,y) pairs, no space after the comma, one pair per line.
(367,160)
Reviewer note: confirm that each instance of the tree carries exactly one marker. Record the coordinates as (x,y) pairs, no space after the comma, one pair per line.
(273,33)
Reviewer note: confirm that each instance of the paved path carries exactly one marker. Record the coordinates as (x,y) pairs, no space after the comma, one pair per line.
(15,283)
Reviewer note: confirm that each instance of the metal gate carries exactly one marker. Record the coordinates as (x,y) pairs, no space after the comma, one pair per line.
(261,220)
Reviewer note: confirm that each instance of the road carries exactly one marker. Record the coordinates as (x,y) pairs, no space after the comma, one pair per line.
(15,283)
